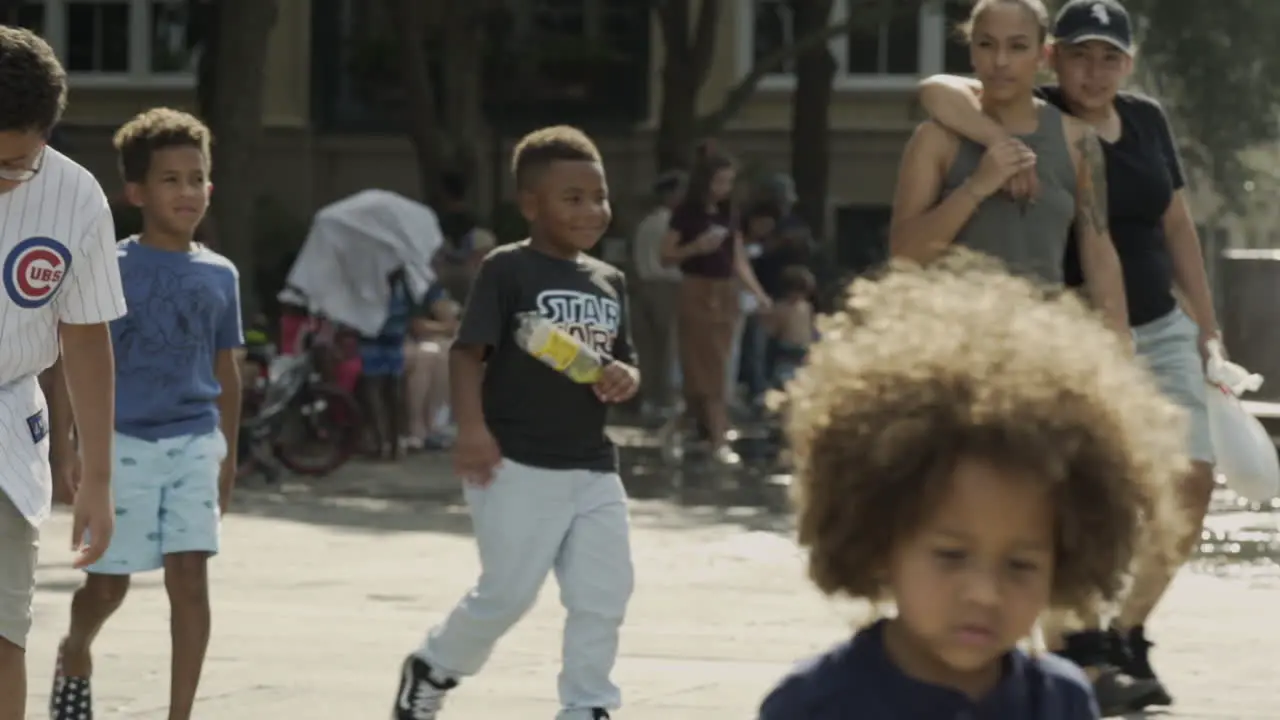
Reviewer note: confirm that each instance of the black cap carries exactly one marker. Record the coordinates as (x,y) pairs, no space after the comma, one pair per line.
(1084,20)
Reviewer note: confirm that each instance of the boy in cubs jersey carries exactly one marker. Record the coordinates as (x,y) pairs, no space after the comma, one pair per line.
(61,284)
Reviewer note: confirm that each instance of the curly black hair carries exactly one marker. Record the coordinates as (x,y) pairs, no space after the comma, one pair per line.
(926,366)
(541,148)
(154,130)
(32,82)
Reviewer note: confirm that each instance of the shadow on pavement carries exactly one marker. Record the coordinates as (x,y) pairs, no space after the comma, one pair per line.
(420,494)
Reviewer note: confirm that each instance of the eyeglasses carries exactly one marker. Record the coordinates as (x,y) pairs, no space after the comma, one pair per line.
(22,175)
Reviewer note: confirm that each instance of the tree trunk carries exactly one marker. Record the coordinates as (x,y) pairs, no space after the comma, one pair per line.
(810,121)
(410,19)
(677,118)
(206,68)
(462,48)
(244,27)
(688,53)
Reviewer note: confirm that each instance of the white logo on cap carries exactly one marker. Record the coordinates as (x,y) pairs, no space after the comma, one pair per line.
(1100,13)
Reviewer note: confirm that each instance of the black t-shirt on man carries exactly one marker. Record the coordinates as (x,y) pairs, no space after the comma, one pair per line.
(538,416)
(1143,172)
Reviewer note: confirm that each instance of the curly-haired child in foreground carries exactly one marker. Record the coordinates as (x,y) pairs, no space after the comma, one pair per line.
(976,466)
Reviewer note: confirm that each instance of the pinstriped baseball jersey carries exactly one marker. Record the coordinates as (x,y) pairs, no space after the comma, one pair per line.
(57,265)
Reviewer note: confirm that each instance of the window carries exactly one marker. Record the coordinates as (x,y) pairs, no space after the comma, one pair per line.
(97,37)
(29,15)
(890,54)
(773,29)
(125,42)
(891,48)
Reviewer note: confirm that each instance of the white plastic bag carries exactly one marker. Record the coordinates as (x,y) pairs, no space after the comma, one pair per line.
(1245,452)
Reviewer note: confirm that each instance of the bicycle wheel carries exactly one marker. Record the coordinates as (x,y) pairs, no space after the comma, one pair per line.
(320,431)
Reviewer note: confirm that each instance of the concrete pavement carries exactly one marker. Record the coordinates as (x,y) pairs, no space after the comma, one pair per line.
(318,597)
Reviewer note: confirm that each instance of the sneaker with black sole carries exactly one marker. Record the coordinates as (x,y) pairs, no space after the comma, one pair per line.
(421,694)
(1134,658)
(1118,692)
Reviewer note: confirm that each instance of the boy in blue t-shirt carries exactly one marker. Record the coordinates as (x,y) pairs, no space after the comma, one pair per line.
(177,408)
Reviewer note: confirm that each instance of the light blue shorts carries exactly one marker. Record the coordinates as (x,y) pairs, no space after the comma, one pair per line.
(166,495)
(1170,348)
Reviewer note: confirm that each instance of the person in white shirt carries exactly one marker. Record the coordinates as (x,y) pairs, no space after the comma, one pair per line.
(657,293)
(61,284)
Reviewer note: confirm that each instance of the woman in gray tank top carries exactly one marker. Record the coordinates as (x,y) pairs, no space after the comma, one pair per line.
(949,188)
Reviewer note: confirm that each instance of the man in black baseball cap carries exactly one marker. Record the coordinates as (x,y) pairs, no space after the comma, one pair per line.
(1083,20)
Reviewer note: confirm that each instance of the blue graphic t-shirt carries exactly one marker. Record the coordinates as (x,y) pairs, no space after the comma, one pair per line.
(183,309)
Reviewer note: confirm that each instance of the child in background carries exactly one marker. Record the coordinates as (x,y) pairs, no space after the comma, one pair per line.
(790,323)
(976,467)
(426,371)
(177,360)
(382,361)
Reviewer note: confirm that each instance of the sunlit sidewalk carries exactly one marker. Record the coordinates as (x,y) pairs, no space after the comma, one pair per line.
(313,614)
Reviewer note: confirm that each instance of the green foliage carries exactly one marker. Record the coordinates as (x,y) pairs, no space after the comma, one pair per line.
(1218,69)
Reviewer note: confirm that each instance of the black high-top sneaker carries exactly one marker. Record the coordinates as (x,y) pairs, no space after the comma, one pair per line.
(1118,693)
(421,694)
(1136,662)
(599,714)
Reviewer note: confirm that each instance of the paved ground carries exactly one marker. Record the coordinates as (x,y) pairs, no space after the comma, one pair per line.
(318,597)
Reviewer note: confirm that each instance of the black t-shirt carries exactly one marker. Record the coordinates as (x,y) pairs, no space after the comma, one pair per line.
(538,416)
(1143,172)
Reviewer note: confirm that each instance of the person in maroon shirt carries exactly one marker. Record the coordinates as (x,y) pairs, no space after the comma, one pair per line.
(705,243)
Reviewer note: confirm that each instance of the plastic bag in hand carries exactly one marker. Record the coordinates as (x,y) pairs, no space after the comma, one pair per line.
(1245,452)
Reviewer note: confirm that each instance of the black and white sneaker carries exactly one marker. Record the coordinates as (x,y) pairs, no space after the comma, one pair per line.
(599,714)
(1135,660)
(71,697)
(421,696)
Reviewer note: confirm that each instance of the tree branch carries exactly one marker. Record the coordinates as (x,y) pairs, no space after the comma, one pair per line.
(741,93)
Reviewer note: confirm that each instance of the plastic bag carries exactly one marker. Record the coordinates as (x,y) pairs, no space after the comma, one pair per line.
(1246,455)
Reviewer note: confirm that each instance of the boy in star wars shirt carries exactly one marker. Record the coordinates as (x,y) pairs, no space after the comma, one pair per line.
(542,476)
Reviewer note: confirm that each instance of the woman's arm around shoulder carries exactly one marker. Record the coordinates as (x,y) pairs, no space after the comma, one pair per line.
(955,102)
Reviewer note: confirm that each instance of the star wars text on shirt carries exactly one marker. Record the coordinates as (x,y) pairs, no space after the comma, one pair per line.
(591,319)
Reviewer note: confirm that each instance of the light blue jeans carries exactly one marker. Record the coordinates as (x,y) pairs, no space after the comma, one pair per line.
(166,495)
(529,522)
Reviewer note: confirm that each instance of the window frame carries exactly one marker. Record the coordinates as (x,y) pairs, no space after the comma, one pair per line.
(139,74)
(932,38)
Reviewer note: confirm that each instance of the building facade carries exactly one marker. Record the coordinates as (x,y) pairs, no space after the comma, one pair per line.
(330,131)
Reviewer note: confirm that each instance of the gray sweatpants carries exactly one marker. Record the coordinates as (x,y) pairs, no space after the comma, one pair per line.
(529,522)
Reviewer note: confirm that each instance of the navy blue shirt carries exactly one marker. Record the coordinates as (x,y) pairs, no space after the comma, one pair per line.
(856,680)
(184,307)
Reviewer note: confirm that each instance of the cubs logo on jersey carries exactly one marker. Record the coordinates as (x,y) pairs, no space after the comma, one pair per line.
(34,270)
